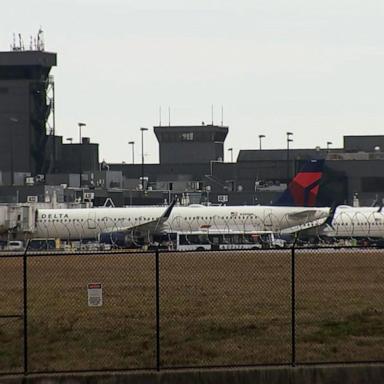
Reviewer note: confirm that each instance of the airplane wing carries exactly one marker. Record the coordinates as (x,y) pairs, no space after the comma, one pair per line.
(306,219)
(302,215)
(154,226)
(301,227)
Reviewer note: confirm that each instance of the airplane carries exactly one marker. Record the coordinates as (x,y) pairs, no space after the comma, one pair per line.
(145,222)
(354,222)
(343,221)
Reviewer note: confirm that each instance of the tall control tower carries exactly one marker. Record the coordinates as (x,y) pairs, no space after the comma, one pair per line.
(26,109)
(191,143)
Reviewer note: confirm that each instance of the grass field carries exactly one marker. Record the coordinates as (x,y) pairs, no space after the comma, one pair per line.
(228,308)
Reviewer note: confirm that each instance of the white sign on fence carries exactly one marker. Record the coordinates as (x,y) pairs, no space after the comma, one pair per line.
(95,295)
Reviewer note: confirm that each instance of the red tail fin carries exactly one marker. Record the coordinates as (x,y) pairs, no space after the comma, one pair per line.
(303,189)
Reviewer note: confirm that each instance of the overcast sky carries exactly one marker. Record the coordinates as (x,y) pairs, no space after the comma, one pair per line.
(314,68)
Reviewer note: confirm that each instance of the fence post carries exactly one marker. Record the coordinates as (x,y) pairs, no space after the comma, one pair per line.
(157,261)
(25,309)
(293,303)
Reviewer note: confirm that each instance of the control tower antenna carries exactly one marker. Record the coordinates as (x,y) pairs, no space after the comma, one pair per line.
(13,45)
(40,40)
(21,43)
(222,115)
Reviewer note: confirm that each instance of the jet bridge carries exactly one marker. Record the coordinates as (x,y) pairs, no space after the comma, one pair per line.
(17,220)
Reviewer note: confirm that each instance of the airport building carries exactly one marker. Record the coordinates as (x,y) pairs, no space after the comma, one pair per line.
(194,164)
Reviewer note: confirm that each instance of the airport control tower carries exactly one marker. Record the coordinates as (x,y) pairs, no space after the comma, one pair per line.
(26,109)
(191,143)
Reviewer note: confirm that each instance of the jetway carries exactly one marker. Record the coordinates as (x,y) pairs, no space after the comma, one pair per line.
(18,220)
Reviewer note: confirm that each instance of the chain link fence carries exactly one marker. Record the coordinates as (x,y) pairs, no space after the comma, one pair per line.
(131,310)
(218,309)
(11,314)
(339,305)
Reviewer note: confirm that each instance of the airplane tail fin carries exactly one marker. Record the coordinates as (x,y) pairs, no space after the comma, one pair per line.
(331,215)
(304,187)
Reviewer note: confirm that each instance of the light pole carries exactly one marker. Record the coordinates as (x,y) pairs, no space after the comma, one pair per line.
(289,140)
(80,126)
(133,151)
(328,144)
(208,189)
(211,165)
(260,137)
(80,153)
(231,150)
(13,120)
(142,156)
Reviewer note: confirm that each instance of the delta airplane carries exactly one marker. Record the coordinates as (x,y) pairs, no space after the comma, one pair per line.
(145,222)
(344,221)
(354,222)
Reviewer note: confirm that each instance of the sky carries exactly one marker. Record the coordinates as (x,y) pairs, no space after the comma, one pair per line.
(313,68)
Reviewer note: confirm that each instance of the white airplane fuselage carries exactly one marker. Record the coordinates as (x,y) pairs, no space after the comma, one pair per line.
(89,223)
(356,222)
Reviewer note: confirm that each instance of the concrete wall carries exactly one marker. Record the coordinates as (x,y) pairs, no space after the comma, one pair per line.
(351,374)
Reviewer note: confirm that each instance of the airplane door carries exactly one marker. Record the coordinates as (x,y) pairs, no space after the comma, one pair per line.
(268,222)
(91,221)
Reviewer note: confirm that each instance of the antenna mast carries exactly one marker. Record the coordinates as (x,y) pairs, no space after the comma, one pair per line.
(40,40)
(35,44)
(222,115)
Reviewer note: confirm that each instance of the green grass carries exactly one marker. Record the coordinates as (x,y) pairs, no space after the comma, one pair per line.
(367,323)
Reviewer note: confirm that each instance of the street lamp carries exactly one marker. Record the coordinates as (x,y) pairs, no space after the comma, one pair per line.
(208,189)
(133,151)
(231,150)
(260,137)
(289,140)
(211,165)
(328,144)
(80,126)
(142,156)
(80,153)
(13,120)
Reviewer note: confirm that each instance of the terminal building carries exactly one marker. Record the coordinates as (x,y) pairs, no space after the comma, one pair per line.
(36,164)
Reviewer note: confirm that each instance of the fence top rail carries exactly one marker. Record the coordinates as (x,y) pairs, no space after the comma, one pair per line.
(127,251)
(75,253)
(11,255)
